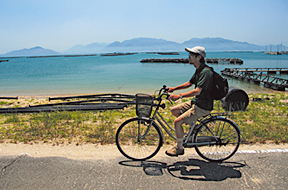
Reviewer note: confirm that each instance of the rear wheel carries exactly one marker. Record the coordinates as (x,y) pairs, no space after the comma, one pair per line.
(137,141)
(223,136)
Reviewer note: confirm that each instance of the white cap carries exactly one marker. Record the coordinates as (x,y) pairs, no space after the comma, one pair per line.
(197,49)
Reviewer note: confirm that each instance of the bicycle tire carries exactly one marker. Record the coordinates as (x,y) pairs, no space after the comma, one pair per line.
(227,134)
(129,144)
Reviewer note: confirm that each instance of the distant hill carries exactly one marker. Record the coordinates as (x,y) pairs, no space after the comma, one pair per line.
(35,51)
(144,45)
(84,49)
(221,44)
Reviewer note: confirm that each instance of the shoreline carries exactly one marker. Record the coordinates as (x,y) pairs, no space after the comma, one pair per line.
(41,96)
(30,100)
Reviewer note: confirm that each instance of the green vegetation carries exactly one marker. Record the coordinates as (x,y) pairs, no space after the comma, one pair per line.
(5,103)
(265,120)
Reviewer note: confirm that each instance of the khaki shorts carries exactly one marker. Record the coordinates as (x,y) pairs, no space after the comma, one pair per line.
(190,112)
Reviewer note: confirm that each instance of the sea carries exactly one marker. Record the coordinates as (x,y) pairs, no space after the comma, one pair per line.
(53,76)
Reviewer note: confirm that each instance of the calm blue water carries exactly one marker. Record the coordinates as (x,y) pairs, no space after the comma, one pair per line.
(115,74)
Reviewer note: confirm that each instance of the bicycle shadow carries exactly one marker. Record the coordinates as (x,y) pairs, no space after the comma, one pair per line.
(193,169)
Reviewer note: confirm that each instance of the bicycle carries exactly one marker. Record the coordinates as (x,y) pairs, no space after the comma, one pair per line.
(214,137)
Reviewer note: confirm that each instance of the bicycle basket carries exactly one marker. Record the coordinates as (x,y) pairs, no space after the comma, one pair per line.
(144,104)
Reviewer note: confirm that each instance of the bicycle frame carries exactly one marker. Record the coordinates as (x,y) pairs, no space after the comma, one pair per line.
(215,131)
(163,123)
(189,136)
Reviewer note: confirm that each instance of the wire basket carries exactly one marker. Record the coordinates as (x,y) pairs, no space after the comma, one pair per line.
(144,103)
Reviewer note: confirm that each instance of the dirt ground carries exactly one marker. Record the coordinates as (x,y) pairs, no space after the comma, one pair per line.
(103,152)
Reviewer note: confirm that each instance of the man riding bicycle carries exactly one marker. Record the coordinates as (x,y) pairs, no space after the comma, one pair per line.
(200,105)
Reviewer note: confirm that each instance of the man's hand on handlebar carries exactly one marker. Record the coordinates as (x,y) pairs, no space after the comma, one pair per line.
(170,89)
(174,97)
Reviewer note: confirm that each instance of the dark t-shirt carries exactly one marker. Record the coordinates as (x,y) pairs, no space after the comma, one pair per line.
(203,78)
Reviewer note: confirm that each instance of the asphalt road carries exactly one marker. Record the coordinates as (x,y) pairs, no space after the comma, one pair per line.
(243,171)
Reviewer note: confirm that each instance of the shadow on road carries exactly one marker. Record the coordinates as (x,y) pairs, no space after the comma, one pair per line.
(193,169)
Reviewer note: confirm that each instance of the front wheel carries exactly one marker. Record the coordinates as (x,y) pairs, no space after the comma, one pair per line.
(136,139)
(223,137)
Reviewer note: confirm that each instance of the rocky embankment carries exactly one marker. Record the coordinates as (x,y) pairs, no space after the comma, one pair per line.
(185,60)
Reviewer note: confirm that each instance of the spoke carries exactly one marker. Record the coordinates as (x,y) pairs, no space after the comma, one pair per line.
(227,138)
(138,141)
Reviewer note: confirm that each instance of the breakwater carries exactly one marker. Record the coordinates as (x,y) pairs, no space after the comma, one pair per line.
(276,52)
(117,54)
(3,61)
(185,60)
(164,53)
(165,60)
(48,56)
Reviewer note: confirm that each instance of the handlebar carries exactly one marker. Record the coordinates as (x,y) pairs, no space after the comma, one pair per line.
(163,92)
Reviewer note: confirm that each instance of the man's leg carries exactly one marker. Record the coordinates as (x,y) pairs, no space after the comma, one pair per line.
(176,111)
(179,149)
(179,132)
(178,126)
(188,117)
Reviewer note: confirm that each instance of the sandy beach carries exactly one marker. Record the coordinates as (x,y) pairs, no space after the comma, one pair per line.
(26,101)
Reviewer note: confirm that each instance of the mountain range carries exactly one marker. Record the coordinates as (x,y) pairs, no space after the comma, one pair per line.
(144,45)
(31,52)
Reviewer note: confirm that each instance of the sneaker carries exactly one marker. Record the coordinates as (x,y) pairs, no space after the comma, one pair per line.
(175,151)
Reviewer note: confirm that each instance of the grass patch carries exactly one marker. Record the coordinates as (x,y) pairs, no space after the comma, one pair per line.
(5,103)
(265,120)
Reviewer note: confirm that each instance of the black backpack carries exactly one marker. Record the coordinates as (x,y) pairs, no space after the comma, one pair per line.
(220,86)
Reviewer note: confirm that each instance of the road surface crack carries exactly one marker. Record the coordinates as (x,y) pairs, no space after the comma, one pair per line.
(4,169)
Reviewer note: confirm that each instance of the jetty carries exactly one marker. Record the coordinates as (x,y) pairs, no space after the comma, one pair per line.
(185,60)
(257,76)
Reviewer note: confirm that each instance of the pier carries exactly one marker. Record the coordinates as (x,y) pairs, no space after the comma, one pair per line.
(256,76)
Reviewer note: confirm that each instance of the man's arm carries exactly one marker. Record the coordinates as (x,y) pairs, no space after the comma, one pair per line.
(180,87)
(191,93)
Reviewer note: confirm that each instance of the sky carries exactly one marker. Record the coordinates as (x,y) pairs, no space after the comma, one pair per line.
(62,24)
